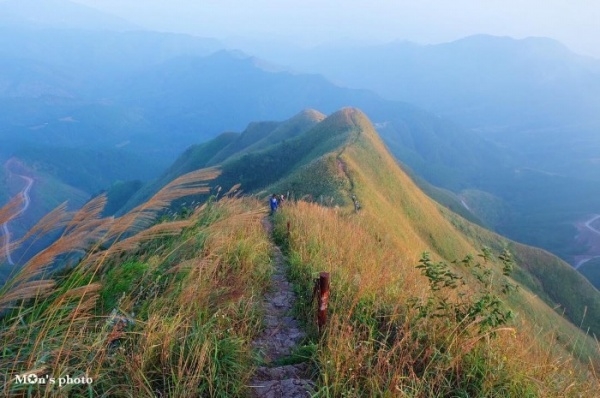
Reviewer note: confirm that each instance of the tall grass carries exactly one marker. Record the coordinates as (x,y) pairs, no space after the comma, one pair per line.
(379,343)
(144,308)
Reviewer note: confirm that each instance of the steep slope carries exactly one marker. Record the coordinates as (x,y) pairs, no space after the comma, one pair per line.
(263,152)
(372,254)
(534,98)
(399,206)
(261,135)
(343,156)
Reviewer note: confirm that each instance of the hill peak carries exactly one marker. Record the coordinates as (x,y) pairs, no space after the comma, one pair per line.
(348,115)
(353,120)
(310,114)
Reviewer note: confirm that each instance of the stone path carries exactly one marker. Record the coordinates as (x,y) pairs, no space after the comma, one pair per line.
(281,336)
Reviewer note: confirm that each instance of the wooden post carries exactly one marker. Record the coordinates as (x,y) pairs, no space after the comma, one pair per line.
(288,228)
(323,299)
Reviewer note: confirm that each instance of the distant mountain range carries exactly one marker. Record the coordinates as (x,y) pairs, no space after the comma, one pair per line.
(480,81)
(162,106)
(533,97)
(508,138)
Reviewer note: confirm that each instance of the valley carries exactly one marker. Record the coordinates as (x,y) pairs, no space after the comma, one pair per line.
(184,95)
(75,129)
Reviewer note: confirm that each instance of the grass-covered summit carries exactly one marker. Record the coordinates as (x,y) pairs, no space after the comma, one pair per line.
(331,159)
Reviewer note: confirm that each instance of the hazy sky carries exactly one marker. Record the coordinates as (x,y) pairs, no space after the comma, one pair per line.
(576,23)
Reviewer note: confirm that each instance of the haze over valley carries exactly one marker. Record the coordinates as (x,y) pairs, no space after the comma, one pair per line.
(508,125)
(440,162)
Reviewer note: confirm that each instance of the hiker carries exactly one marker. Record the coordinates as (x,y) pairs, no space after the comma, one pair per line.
(280,200)
(274,203)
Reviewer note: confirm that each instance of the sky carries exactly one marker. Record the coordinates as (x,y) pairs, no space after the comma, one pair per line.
(310,22)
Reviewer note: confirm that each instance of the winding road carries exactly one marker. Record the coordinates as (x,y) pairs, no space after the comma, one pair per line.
(26,202)
(590,227)
(589,223)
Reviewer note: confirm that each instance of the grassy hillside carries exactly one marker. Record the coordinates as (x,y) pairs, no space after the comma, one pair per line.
(155,94)
(194,158)
(261,155)
(119,193)
(261,135)
(441,231)
(343,156)
(169,307)
(169,311)
(378,342)
(533,98)
(390,331)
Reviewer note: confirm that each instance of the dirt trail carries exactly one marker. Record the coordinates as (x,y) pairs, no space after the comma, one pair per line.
(281,336)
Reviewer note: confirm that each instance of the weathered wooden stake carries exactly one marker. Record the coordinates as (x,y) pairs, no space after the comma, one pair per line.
(323,299)
(288,228)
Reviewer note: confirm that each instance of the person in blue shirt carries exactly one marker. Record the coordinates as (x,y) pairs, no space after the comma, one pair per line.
(274,203)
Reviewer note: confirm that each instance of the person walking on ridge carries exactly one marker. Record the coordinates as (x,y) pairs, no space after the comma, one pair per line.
(274,203)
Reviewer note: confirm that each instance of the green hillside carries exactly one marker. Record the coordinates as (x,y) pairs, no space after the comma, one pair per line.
(264,151)
(262,135)
(316,165)
(170,307)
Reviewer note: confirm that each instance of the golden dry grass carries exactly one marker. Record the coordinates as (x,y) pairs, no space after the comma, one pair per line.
(375,343)
(195,293)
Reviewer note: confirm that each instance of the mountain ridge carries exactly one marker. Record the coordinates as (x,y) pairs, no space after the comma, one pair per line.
(342,158)
(427,300)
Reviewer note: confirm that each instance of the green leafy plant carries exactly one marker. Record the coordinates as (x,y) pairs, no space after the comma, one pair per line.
(484,309)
